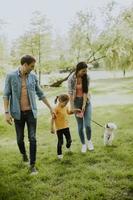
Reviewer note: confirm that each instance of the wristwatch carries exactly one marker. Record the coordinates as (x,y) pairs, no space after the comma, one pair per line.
(6,112)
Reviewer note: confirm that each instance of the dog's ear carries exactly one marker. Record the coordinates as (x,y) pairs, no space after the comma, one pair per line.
(106,126)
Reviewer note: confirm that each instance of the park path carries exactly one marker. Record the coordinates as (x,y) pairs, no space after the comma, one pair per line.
(110,98)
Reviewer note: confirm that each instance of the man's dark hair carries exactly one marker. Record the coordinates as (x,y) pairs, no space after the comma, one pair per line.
(27,59)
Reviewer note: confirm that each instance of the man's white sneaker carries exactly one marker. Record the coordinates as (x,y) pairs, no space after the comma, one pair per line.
(60,156)
(84,148)
(90,145)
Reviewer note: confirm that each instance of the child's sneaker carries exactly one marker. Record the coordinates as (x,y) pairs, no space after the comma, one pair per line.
(33,170)
(90,145)
(60,157)
(84,148)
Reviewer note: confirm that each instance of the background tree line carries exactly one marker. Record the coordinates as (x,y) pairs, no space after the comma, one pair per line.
(83,41)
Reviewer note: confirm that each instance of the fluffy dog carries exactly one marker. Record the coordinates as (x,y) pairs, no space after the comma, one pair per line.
(109,133)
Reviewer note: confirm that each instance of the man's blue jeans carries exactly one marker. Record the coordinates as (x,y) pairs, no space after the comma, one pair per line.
(84,122)
(27,118)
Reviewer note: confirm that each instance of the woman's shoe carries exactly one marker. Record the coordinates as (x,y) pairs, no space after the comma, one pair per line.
(84,148)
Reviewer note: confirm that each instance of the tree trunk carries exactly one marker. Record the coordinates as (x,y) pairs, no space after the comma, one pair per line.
(124,73)
(59,82)
(39,77)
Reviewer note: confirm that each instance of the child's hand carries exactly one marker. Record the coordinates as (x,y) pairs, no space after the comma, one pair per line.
(77,110)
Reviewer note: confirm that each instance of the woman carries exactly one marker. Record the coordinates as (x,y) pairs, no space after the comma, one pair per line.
(78,89)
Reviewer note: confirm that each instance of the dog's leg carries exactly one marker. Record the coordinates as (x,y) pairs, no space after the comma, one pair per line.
(105,139)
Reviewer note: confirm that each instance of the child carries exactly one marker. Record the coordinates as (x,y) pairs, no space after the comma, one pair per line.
(61,122)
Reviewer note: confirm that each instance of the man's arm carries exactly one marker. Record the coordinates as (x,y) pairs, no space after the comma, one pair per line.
(6,97)
(45,101)
(41,96)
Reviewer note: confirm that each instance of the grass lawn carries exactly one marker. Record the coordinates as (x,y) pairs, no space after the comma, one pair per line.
(104,174)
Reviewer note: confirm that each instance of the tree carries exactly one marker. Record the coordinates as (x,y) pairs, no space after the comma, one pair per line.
(82,36)
(117,43)
(37,41)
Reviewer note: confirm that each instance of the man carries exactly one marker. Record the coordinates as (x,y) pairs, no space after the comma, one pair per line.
(21,86)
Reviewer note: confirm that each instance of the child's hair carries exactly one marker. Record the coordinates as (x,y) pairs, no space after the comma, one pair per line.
(62,98)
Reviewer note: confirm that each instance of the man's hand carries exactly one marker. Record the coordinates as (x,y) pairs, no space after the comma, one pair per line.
(52,113)
(52,130)
(8,118)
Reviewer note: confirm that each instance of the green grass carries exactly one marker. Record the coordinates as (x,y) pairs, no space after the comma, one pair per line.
(105,174)
(119,85)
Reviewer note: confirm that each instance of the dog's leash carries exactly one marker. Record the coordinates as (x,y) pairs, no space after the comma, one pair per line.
(98,124)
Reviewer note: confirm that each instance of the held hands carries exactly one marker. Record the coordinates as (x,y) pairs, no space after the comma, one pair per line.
(80,113)
(8,118)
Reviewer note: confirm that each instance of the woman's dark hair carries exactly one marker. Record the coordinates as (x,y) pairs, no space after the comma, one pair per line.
(83,65)
(62,98)
(27,59)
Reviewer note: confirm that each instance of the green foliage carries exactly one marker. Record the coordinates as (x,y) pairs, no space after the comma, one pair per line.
(81,36)
(36,41)
(84,41)
(2,71)
(117,42)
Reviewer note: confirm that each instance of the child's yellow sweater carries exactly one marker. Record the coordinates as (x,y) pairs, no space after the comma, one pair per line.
(61,117)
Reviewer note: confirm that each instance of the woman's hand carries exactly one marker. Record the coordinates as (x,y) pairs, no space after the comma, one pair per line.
(83,108)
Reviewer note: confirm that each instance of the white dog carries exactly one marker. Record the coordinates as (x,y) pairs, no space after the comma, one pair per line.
(109,133)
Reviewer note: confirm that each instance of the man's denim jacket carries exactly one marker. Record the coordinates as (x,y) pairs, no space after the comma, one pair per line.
(12,92)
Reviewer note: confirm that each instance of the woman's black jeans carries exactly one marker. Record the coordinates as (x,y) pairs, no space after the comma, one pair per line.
(27,118)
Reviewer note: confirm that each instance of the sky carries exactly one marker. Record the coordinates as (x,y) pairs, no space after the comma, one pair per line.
(17,13)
